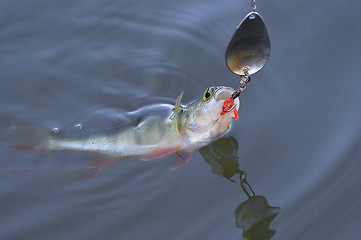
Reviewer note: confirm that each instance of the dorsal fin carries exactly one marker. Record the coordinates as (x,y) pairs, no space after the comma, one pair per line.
(177,107)
(176,112)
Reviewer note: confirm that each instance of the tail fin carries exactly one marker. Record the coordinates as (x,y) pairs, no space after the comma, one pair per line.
(31,138)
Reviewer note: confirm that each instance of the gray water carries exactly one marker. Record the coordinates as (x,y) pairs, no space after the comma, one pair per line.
(64,63)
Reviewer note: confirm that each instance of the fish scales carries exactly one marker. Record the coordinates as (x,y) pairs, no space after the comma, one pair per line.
(158,130)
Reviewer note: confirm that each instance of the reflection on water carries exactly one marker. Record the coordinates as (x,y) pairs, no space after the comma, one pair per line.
(222,156)
(253,215)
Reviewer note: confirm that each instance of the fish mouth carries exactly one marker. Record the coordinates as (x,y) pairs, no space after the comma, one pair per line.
(222,92)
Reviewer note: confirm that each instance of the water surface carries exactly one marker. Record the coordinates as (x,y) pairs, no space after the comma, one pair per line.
(85,62)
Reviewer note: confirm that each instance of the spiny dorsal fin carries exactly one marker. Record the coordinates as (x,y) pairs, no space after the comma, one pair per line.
(176,113)
(177,107)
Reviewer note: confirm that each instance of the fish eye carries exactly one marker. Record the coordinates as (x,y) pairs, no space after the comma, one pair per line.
(207,94)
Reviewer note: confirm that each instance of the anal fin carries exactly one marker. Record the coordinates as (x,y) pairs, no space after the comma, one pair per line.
(98,163)
(158,153)
(181,158)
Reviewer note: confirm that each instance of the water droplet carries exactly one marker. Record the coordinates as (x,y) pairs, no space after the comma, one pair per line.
(79,126)
(56,130)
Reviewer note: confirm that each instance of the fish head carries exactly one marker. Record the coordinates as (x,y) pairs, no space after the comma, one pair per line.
(204,121)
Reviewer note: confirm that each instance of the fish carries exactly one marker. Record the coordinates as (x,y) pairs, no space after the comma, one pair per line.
(155,131)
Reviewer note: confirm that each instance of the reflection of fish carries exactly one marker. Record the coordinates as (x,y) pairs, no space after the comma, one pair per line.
(158,131)
(222,156)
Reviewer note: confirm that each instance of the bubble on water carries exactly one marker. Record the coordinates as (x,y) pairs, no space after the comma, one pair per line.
(79,126)
(56,130)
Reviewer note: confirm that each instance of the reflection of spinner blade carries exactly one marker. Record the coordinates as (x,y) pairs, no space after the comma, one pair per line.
(254,216)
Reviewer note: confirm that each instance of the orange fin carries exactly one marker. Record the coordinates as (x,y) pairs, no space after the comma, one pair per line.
(158,153)
(31,138)
(98,163)
(27,148)
(181,158)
